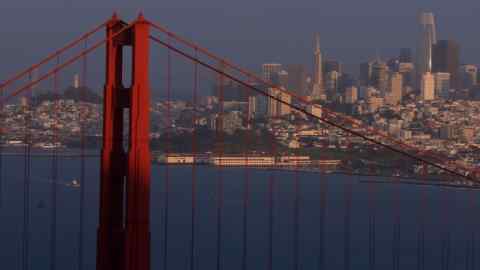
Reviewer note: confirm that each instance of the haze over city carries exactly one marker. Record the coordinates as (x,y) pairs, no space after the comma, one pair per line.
(251,32)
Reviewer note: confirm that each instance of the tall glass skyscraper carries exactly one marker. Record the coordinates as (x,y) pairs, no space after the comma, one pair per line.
(427,38)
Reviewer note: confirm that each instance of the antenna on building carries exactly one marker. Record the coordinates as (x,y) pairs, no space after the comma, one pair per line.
(317,43)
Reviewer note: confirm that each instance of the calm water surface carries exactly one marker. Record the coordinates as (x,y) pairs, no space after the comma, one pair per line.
(445,210)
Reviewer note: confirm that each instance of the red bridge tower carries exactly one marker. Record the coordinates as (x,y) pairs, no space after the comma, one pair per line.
(124,229)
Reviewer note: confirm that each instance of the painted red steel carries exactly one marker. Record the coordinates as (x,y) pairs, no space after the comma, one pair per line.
(124,229)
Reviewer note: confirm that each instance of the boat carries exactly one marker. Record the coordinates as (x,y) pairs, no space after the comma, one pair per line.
(74,183)
(48,145)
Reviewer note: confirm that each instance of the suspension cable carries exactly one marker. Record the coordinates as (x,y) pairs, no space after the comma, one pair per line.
(52,56)
(65,64)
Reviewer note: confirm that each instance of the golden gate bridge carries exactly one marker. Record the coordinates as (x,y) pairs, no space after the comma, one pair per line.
(124,230)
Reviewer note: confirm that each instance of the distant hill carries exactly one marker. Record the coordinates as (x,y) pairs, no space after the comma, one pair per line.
(78,94)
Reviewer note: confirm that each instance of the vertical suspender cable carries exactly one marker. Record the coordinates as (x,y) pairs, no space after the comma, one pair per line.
(167,152)
(347,225)
(246,189)
(473,251)
(194,172)
(26,177)
(396,227)
(470,252)
(220,130)
(246,202)
(296,213)
(54,173)
(372,227)
(421,224)
(82,120)
(2,139)
(445,245)
(271,203)
(271,207)
(346,221)
(323,219)
(447,252)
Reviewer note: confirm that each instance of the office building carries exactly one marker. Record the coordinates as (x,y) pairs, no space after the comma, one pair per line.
(366,92)
(318,87)
(315,110)
(261,106)
(427,39)
(442,84)
(275,108)
(393,95)
(366,73)
(445,59)
(427,87)
(280,78)
(468,76)
(379,77)
(332,84)
(297,79)
(332,65)
(374,103)
(230,91)
(351,95)
(252,106)
(408,73)
(269,69)
(393,64)
(346,80)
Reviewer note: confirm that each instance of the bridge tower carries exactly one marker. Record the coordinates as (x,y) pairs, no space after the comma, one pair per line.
(124,225)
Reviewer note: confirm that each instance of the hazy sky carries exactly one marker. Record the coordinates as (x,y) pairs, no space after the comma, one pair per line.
(248,32)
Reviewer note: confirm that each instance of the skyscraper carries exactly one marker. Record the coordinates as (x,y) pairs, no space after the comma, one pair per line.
(280,78)
(405,55)
(393,96)
(427,86)
(446,58)
(408,72)
(276,108)
(379,77)
(318,88)
(366,73)
(297,79)
(442,84)
(332,84)
(269,69)
(346,80)
(332,65)
(351,95)
(232,91)
(468,76)
(427,38)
